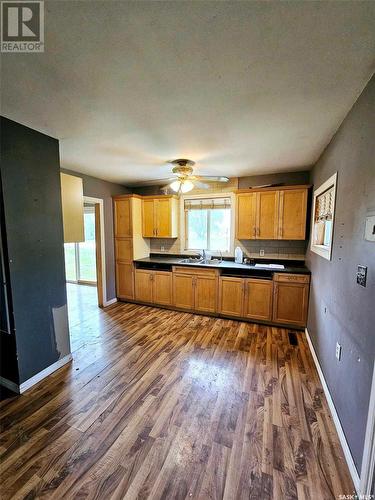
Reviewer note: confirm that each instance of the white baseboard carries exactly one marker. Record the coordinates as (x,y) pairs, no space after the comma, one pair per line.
(110,302)
(344,444)
(44,373)
(12,386)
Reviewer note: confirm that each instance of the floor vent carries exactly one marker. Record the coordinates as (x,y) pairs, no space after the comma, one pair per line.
(292,338)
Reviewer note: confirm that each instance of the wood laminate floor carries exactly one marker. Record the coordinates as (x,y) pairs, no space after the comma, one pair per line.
(167,405)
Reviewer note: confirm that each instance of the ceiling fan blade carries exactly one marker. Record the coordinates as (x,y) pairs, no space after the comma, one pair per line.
(200,185)
(151,182)
(209,178)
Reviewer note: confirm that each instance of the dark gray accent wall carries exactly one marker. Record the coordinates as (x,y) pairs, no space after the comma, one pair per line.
(285,178)
(98,188)
(350,316)
(30,173)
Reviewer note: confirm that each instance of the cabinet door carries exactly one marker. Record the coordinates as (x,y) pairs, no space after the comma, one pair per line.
(231,296)
(246,216)
(123,218)
(258,299)
(143,285)
(267,215)
(163,218)
(162,288)
(183,293)
(292,214)
(148,218)
(205,291)
(124,280)
(290,303)
(124,249)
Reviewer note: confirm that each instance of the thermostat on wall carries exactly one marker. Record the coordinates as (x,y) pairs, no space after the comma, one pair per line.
(370,227)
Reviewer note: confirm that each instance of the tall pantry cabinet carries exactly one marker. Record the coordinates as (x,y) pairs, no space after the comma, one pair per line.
(129,243)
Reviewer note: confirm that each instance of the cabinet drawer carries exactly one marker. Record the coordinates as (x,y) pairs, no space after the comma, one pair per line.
(292,278)
(203,271)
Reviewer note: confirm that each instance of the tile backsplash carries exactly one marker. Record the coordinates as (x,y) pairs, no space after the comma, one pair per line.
(273,249)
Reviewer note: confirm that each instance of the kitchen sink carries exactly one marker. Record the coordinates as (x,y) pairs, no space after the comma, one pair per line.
(191,260)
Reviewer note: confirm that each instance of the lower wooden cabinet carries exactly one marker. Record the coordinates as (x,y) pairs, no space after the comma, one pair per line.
(154,287)
(162,288)
(258,299)
(281,300)
(143,285)
(183,291)
(195,289)
(231,293)
(124,280)
(290,302)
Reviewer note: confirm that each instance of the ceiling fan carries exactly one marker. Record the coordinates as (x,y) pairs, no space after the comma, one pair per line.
(184,180)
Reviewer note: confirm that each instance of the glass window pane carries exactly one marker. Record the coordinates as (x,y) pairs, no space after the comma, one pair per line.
(87,254)
(220,229)
(197,229)
(70,262)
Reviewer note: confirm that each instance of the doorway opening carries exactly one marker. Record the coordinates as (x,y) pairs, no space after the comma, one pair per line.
(85,265)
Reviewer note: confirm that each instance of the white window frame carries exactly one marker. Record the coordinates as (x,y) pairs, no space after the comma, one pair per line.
(324,251)
(209,195)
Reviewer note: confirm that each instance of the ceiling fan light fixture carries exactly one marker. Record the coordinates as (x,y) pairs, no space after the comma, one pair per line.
(186,186)
(175,186)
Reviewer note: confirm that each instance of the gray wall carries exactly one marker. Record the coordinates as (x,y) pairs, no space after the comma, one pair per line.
(30,173)
(98,188)
(287,178)
(350,317)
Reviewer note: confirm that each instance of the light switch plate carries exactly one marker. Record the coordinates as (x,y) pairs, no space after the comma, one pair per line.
(370,228)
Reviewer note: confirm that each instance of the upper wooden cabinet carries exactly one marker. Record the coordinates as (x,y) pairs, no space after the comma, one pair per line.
(123,222)
(72,208)
(292,214)
(160,216)
(272,214)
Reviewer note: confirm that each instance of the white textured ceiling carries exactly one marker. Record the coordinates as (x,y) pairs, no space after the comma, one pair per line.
(240,87)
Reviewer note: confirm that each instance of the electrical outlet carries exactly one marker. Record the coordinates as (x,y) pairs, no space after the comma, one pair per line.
(261,253)
(362,275)
(338,351)
(162,248)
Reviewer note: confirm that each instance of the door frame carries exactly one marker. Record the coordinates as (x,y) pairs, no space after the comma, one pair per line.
(100,272)
(368,460)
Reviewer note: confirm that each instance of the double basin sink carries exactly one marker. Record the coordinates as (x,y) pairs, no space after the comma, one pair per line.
(198,260)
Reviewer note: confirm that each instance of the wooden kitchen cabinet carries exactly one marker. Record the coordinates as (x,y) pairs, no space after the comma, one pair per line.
(258,299)
(195,289)
(129,243)
(267,215)
(231,293)
(271,214)
(205,294)
(143,285)
(292,214)
(160,217)
(124,280)
(123,226)
(183,291)
(246,216)
(290,301)
(162,288)
(154,287)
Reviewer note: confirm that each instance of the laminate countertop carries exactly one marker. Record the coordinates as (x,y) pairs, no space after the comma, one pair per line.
(295,267)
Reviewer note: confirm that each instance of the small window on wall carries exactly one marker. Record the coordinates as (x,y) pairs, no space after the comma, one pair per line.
(208,224)
(323,218)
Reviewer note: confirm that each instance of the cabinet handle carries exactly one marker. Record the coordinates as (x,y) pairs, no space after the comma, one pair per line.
(254,231)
